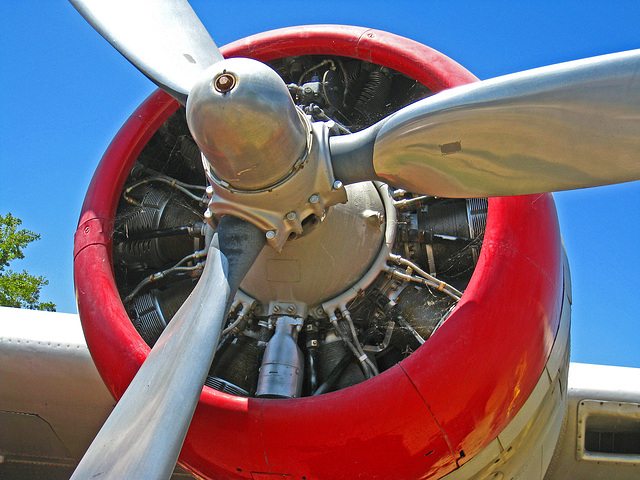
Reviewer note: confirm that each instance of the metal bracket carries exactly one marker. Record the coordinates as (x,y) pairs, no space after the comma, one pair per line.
(281,210)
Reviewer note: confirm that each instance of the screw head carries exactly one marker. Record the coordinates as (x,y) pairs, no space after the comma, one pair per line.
(271,234)
(337,185)
(209,191)
(291,216)
(315,198)
(224,82)
(208,214)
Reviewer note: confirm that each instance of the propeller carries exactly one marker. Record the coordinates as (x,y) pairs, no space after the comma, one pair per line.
(562,127)
(164,39)
(567,126)
(144,434)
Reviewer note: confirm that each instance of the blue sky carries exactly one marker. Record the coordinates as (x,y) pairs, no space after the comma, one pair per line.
(66,92)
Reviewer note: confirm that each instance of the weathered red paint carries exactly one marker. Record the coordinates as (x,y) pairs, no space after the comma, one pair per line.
(455,394)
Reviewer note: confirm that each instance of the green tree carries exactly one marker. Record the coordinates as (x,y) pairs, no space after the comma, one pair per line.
(19,290)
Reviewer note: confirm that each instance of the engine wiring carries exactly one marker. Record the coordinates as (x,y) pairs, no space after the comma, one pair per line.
(172,182)
(424,278)
(177,268)
(363,359)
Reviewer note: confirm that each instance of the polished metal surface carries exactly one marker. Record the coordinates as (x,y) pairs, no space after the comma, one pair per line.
(164,39)
(378,264)
(243,118)
(144,434)
(283,363)
(281,210)
(339,251)
(562,127)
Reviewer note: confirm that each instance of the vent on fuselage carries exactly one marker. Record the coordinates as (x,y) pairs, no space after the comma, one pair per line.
(626,443)
(609,431)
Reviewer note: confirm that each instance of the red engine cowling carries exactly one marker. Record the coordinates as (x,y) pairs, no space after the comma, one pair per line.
(422,418)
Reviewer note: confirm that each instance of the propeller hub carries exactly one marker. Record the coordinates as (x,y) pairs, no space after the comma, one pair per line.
(224,82)
(244,120)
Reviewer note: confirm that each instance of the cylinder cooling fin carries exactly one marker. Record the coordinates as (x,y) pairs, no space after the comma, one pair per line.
(360,289)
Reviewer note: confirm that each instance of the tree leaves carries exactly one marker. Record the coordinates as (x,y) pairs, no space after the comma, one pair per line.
(19,290)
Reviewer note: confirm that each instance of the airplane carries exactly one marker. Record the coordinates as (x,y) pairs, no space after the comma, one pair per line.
(463,458)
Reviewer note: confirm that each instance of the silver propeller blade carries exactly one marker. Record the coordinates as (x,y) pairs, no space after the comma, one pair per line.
(143,436)
(164,39)
(562,127)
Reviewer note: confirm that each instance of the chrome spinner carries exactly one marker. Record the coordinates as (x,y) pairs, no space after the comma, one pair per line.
(265,161)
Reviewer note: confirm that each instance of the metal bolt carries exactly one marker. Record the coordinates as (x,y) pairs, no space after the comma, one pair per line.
(209,191)
(291,216)
(291,309)
(314,343)
(208,214)
(337,185)
(320,311)
(276,308)
(271,234)
(224,82)
(315,198)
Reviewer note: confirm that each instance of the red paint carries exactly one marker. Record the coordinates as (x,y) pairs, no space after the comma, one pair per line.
(457,392)
(116,348)
(487,357)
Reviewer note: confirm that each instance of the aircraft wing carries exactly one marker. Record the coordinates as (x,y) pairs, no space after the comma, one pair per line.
(52,399)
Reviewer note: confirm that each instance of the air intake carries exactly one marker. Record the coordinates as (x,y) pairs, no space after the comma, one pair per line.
(609,431)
